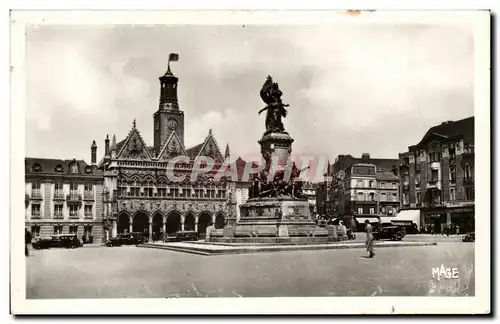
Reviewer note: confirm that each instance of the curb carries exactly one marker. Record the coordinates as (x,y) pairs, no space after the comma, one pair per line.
(242,250)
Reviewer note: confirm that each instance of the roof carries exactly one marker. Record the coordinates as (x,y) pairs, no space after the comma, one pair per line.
(463,128)
(345,161)
(119,145)
(386,175)
(193,151)
(42,166)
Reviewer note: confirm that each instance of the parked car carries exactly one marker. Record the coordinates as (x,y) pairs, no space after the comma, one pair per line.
(61,240)
(133,238)
(469,237)
(393,233)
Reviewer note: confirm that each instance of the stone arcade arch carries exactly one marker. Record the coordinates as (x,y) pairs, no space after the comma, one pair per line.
(123,223)
(141,223)
(220,221)
(173,224)
(204,219)
(189,222)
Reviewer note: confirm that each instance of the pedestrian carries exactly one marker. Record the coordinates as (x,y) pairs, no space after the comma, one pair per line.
(369,239)
(27,240)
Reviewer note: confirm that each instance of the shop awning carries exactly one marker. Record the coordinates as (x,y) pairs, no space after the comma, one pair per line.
(361,220)
(407,216)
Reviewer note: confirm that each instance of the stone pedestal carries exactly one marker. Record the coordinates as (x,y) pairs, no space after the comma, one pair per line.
(277,217)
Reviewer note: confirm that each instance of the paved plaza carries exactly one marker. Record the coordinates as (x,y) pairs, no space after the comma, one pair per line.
(130,271)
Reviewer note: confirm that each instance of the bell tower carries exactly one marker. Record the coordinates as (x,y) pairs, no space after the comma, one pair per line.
(168,118)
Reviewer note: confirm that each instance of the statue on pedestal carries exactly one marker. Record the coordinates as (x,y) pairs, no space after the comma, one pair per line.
(271,95)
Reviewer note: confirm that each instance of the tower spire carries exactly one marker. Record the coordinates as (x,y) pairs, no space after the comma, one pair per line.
(226,153)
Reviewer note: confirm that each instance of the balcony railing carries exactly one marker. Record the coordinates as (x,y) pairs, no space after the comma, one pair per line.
(74,198)
(36,195)
(89,216)
(74,216)
(58,195)
(58,216)
(88,195)
(468,181)
(433,184)
(36,216)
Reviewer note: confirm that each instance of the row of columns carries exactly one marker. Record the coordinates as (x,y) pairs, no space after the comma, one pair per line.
(150,225)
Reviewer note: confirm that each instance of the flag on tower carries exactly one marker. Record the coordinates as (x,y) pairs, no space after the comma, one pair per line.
(173,57)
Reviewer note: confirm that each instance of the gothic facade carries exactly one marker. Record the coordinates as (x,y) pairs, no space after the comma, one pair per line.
(140,196)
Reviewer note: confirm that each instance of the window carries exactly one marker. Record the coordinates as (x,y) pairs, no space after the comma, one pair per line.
(383,197)
(73,211)
(452,173)
(135,189)
(452,194)
(407,179)
(467,171)
(360,210)
(395,197)
(419,197)
(434,176)
(148,189)
(88,210)
(161,191)
(452,152)
(372,196)
(36,190)
(87,231)
(372,184)
(394,185)
(89,187)
(405,199)
(390,210)
(372,210)
(58,190)
(361,196)
(35,230)
(35,210)
(58,211)
(434,157)
(469,193)
(73,186)
(417,178)
(36,185)
(58,229)
(122,189)
(359,184)
(73,229)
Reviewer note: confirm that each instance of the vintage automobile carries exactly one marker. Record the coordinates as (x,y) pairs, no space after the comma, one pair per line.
(61,240)
(469,237)
(393,233)
(133,238)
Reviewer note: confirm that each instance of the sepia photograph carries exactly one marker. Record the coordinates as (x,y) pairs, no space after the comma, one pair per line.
(191,160)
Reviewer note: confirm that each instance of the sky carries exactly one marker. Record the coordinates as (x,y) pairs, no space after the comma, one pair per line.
(351,88)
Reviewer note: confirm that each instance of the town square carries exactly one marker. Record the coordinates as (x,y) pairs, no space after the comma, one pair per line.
(216,161)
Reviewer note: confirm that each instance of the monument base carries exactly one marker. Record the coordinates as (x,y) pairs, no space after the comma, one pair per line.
(276,217)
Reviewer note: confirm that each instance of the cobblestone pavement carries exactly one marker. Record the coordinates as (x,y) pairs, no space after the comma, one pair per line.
(129,271)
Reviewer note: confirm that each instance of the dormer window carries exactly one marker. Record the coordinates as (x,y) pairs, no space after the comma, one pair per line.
(37,167)
(88,169)
(59,168)
(74,168)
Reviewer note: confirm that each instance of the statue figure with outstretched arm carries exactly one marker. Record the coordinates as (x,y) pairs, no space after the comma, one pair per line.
(271,95)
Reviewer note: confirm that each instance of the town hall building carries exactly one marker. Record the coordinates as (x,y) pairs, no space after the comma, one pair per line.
(138,195)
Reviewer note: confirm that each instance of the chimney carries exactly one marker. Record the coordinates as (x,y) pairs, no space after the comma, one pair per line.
(93,155)
(113,147)
(365,158)
(106,145)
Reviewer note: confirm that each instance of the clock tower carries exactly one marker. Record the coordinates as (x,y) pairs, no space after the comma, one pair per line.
(169,117)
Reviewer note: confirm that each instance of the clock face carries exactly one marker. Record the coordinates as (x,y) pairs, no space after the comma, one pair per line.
(172,124)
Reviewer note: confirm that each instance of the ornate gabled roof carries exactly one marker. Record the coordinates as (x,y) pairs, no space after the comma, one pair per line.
(134,146)
(172,147)
(215,153)
(194,151)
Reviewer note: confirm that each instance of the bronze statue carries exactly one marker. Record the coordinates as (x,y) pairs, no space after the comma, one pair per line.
(271,95)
